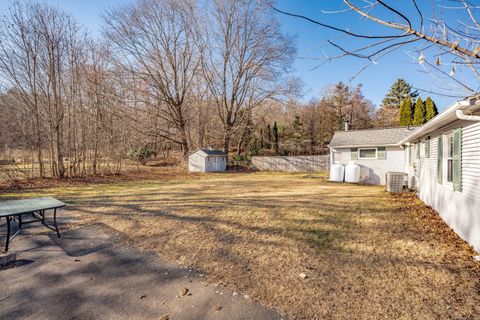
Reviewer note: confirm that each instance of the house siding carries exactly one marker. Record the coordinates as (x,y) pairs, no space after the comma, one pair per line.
(196,163)
(373,170)
(460,210)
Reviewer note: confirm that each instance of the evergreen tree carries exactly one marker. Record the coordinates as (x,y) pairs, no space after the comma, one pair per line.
(294,137)
(399,91)
(262,139)
(430,109)
(269,137)
(254,147)
(419,116)
(406,113)
(338,98)
(276,145)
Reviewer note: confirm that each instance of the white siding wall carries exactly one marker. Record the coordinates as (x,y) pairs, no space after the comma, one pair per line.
(215,164)
(196,163)
(199,163)
(411,151)
(374,170)
(460,210)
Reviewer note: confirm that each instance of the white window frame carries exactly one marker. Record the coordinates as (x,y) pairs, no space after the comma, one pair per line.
(446,149)
(376,153)
(422,150)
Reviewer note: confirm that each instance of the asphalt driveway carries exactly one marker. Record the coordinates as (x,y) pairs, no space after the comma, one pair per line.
(88,275)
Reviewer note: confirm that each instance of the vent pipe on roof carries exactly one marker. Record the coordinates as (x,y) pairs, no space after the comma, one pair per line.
(347,125)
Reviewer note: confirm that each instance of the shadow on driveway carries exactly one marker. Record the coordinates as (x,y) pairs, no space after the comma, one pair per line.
(88,274)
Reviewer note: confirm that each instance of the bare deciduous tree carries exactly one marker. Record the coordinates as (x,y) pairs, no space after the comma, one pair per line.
(38,48)
(245,57)
(156,41)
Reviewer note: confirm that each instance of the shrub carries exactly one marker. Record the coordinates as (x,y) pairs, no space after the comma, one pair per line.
(141,155)
(242,160)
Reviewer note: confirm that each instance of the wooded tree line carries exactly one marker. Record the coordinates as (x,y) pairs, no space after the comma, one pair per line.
(165,76)
(402,106)
(308,128)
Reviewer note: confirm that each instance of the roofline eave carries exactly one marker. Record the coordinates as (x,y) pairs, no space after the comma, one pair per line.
(365,146)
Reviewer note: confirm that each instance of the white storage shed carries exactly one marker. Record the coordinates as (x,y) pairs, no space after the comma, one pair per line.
(207,160)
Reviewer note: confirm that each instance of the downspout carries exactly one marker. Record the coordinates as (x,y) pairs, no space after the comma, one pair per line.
(462,116)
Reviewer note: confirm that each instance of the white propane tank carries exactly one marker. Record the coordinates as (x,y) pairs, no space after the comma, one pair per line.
(337,171)
(352,172)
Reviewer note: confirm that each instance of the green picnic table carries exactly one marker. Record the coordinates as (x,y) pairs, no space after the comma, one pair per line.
(13,210)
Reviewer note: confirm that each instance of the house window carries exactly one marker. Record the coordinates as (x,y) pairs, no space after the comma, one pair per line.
(367,153)
(448,157)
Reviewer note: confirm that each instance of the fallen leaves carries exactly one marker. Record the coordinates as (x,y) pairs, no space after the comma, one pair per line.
(257,232)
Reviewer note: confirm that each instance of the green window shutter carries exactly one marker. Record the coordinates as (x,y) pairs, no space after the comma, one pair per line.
(381,153)
(440,160)
(354,153)
(457,159)
(427,148)
(417,148)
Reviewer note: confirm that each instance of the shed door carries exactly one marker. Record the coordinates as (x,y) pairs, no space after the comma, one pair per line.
(217,163)
(214,163)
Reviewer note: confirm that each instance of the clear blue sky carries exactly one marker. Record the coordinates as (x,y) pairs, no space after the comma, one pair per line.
(376,79)
(311,42)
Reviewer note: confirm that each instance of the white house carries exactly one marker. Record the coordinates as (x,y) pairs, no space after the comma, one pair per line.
(207,160)
(376,151)
(441,158)
(444,167)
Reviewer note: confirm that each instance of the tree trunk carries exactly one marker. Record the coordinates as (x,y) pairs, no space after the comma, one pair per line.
(226,139)
(183,136)
(241,141)
(60,164)
(184,145)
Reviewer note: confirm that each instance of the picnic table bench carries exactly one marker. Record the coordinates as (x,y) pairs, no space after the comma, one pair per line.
(13,210)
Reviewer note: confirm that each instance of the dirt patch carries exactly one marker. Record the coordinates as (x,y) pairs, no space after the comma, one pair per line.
(364,253)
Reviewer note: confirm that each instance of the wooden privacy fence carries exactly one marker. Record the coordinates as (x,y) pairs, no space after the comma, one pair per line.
(293,163)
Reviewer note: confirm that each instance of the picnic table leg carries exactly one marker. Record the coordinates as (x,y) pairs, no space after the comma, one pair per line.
(55,222)
(7,242)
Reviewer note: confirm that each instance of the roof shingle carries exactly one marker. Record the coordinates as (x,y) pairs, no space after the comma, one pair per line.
(370,137)
(211,152)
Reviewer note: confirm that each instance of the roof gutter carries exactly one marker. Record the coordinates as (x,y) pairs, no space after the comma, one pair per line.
(462,116)
(363,146)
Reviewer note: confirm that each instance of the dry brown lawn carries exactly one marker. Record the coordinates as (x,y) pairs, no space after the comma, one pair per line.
(367,254)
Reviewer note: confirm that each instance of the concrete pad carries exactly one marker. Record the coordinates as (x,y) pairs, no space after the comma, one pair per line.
(6,258)
(88,274)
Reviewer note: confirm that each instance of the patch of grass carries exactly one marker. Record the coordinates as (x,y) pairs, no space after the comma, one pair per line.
(367,254)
